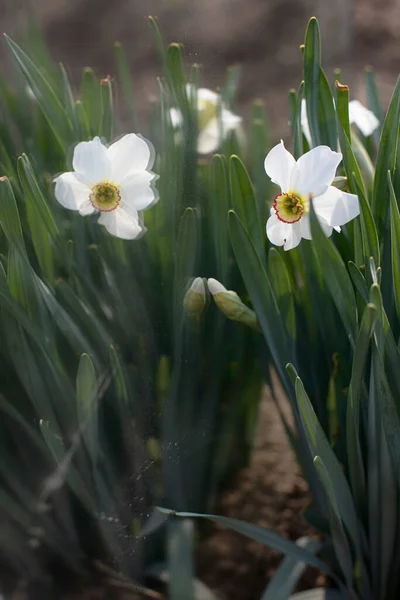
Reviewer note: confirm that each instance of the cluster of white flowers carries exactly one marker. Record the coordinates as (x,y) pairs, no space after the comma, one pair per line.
(117,183)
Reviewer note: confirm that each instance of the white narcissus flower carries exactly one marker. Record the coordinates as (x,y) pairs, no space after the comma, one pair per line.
(308,177)
(359,115)
(213,126)
(114,182)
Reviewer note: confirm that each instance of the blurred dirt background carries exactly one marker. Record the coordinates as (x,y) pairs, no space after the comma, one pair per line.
(263,36)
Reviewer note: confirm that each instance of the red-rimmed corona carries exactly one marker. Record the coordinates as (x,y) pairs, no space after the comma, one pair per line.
(289,208)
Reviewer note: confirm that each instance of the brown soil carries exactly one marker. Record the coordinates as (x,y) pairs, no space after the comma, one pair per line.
(272,493)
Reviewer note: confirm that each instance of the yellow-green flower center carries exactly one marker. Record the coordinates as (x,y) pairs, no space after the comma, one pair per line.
(207,111)
(105,196)
(289,208)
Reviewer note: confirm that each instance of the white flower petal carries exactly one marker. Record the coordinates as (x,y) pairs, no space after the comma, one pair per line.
(327,229)
(215,286)
(336,207)
(122,222)
(130,154)
(91,162)
(86,208)
(279,165)
(305,227)
(364,118)
(205,95)
(283,234)
(138,191)
(198,286)
(72,193)
(208,139)
(230,121)
(176,117)
(316,171)
(294,237)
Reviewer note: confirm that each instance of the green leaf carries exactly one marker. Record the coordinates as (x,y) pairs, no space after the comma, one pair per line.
(159,42)
(355,399)
(119,376)
(125,77)
(185,261)
(319,100)
(395,244)
(374,103)
(335,276)
(358,280)
(263,536)
(106,123)
(319,446)
(180,561)
(175,72)
(244,204)
(91,99)
(289,572)
(218,207)
(45,96)
(320,594)
(259,146)
(282,287)
(86,399)
(386,161)
(339,539)
(231,86)
(9,216)
(261,293)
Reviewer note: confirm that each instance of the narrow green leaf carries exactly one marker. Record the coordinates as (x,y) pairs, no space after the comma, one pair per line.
(263,536)
(125,77)
(319,100)
(386,161)
(289,572)
(244,204)
(395,244)
(9,216)
(359,281)
(374,103)
(86,393)
(261,294)
(180,561)
(335,276)
(319,446)
(45,95)
(106,125)
(282,287)
(340,541)
(219,203)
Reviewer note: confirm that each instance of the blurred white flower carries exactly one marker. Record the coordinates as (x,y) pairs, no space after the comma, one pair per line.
(359,115)
(363,118)
(114,181)
(308,177)
(214,120)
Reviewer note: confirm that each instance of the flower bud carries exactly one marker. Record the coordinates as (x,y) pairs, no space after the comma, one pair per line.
(231,305)
(195,300)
